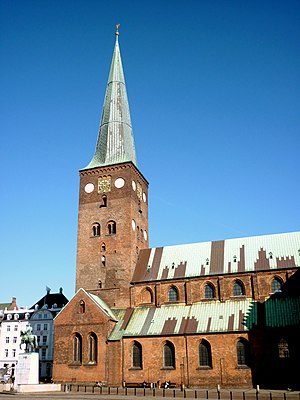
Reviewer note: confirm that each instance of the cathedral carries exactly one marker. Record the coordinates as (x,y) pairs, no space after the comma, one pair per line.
(198,315)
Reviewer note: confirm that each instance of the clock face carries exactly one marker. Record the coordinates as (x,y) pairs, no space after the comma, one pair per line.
(104,185)
(89,187)
(119,183)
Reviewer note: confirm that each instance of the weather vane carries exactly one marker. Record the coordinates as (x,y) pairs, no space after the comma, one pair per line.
(117,27)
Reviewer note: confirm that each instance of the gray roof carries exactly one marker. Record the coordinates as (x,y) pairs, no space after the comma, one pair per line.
(115,142)
(257,253)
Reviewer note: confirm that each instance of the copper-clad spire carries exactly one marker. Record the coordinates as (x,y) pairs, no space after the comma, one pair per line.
(115,142)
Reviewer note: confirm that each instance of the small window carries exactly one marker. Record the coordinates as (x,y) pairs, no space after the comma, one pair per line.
(242,349)
(169,355)
(7,339)
(111,228)
(283,349)
(209,291)
(15,339)
(38,327)
(82,307)
(44,354)
(96,229)
(147,296)
(276,285)
(45,327)
(103,261)
(93,348)
(103,247)
(14,352)
(238,289)
(104,201)
(44,340)
(136,355)
(173,294)
(77,348)
(8,328)
(6,352)
(205,354)
(15,328)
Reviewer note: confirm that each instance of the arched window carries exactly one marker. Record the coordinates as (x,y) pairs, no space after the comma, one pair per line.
(173,294)
(283,349)
(77,348)
(209,291)
(169,355)
(276,285)
(205,354)
(93,348)
(96,229)
(111,228)
(104,201)
(242,352)
(147,296)
(137,360)
(238,288)
(82,307)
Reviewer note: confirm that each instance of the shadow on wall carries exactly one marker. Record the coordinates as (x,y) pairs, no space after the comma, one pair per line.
(274,335)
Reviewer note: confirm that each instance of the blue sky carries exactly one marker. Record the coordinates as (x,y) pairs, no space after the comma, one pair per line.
(213,89)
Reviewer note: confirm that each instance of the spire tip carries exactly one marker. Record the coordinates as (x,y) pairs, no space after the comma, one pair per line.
(117,29)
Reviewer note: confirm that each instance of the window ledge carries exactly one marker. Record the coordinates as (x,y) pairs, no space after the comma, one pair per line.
(75,364)
(204,367)
(243,367)
(167,368)
(91,364)
(135,369)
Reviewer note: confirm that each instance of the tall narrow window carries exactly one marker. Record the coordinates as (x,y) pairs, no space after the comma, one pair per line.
(111,228)
(77,348)
(93,348)
(276,285)
(82,307)
(169,355)
(103,261)
(205,354)
(96,229)
(283,349)
(137,355)
(209,291)
(238,288)
(103,247)
(173,294)
(242,350)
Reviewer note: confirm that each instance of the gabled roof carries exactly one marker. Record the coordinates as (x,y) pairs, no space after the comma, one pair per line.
(102,306)
(115,142)
(255,253)
(178,319)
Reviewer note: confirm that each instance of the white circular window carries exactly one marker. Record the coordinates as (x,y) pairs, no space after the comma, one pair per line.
(133,224)
(144,197)
(134,185)
(145,235)
(89,187)
(119,183)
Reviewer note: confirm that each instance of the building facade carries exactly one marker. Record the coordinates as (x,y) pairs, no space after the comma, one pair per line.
(41,321)
(182,313)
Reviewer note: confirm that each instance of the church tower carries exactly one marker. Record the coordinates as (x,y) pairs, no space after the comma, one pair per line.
(113,201)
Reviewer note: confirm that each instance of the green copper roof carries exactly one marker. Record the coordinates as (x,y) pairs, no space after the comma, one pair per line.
(115,142)
(274,313)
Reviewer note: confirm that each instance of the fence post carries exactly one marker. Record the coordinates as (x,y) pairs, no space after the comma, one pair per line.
(244,396)
(230,393)
(284,396)
(270,395)
(174,393)
(195,394)
(207,395)
(164,392)
(184,393)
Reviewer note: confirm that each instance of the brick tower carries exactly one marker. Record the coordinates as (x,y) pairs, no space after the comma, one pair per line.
(113,201)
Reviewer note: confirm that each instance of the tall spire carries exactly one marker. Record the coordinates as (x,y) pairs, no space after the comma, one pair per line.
(115,142)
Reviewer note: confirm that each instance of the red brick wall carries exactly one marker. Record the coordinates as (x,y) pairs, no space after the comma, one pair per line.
(123,206)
